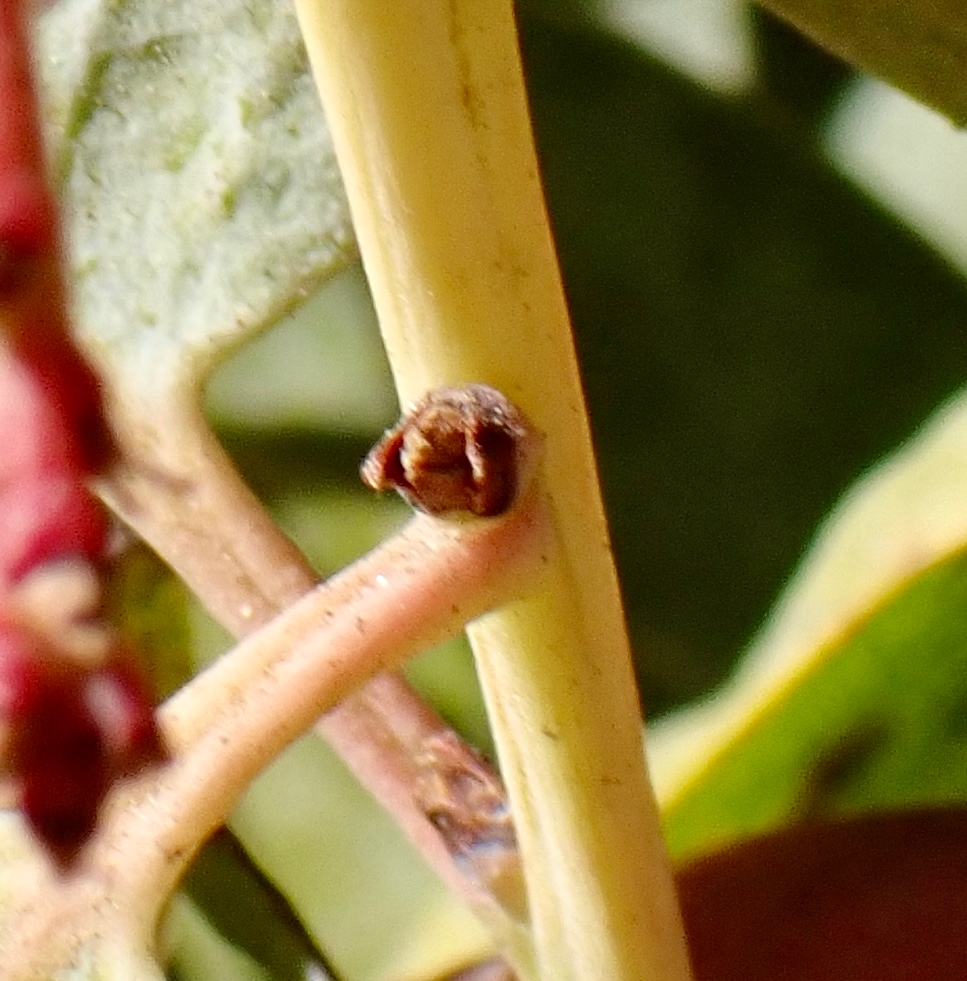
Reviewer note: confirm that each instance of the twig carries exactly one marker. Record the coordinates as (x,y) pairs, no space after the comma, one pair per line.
(234,718)
(188,502)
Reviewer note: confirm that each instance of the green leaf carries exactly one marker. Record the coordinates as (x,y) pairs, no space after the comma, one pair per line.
(198,952)
(250,913)
(299,377)
(201,202)
(854,696)
(360,889)
(201,193)
(918,45)
(753,332)
(149,607)
(798,77)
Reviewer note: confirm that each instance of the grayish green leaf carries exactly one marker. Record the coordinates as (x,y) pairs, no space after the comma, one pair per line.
(201,191)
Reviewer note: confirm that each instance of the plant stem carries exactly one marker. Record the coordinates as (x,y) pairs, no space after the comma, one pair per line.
(180,492)
(428,113)
(232,720)
(412,591)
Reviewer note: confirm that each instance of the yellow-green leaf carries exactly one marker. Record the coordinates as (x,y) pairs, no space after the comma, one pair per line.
(854,696)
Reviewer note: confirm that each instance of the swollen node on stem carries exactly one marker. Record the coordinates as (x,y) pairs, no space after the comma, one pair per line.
(456,449)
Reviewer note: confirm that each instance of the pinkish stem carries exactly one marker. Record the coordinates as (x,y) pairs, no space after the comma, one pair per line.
(231,721)
(188,502)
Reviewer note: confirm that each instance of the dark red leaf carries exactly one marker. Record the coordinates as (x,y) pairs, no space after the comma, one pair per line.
(881,898)
(32,305)
(46,509)
(122,705)
(72,732)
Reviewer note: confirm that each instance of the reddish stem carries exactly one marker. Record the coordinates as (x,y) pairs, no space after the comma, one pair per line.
(189,503)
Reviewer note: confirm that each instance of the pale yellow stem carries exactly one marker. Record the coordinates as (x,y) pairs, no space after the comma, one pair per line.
(428,113)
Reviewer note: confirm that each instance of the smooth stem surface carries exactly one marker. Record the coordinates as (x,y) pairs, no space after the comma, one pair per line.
(426,104)
(232,720)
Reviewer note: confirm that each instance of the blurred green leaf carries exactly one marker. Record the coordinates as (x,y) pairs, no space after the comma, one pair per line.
(322,369)
(201,193)
(195,951)
(854,697)
(918,45)
(753,332)
(149,605)
(794,74)
(358,886)
(250,913)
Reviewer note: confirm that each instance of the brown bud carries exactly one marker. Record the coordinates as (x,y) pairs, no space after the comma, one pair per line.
(458,449)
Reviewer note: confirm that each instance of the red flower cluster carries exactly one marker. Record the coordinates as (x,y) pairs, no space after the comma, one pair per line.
(75,712)
(73,732)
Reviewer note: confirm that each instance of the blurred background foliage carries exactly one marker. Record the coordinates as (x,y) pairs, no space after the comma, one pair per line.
(754,328)
(764,264)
